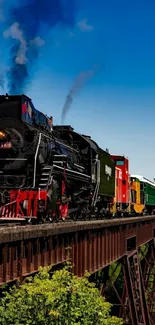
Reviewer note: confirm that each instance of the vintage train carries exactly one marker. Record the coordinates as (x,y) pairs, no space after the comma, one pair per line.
(50,173)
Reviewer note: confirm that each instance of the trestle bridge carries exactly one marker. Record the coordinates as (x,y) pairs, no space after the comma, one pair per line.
(90,246)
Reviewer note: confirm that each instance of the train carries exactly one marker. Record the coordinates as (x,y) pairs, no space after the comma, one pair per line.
(50,173)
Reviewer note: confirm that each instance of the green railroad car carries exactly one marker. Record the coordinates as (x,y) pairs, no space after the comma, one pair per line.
(107,175)
(147,192)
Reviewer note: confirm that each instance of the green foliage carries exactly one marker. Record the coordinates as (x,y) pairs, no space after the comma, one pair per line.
(63,300)
(114,271)
(143,251)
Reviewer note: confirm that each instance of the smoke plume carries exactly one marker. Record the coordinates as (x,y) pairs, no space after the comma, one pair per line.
(29,24)
(79,81)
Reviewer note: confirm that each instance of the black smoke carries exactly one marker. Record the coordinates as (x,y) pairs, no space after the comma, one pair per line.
(77,84)
(29,24)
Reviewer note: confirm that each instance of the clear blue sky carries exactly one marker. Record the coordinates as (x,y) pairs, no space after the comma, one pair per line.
(117,106)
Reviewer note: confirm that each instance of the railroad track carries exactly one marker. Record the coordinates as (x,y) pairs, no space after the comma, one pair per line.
(13,223)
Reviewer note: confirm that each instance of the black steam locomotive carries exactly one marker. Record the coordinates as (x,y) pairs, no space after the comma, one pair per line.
(49,172)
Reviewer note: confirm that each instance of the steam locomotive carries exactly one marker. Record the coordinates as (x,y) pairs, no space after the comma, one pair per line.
(50,172)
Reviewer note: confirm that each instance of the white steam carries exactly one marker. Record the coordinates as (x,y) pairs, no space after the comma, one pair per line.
(15,32)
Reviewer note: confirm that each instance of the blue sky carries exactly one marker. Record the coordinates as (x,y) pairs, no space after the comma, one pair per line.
(117,105)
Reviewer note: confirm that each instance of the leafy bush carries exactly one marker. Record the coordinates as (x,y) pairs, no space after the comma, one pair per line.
(63,299)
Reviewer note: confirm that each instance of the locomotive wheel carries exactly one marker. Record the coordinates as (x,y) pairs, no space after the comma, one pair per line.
(75,215)
(31,221)
(53,218)
(42,217)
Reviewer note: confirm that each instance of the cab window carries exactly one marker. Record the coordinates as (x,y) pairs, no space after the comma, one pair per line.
(119,163)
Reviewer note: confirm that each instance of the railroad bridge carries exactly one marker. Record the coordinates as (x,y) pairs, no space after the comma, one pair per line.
(93,246)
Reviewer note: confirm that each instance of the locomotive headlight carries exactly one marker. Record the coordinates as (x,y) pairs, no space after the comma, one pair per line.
(2,135)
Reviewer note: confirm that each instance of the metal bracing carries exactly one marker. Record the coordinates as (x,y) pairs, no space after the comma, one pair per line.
(148,278)
(129,284)
(135,301)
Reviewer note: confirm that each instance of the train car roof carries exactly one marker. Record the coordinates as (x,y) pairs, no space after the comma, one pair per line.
(143,179)
(119,156)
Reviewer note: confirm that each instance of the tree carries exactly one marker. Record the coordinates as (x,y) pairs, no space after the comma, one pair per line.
(63,299)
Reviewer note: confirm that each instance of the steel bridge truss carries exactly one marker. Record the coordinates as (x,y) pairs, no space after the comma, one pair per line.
(132,281)
(120,253)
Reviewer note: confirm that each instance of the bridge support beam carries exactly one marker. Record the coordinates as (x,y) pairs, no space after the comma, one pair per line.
(136,298)
(136,310)
(104,248)
(148,276)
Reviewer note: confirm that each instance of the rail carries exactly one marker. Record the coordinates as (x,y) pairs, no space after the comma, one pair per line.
(53,229)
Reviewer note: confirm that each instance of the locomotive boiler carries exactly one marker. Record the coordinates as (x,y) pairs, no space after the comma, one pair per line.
(50,171)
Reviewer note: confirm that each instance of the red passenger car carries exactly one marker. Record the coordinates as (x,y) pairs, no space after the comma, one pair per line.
(122,189)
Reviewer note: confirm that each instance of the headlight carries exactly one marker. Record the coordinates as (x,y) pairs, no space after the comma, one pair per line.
(2,135)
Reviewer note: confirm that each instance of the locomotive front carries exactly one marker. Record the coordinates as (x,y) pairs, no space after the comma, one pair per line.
(16,143)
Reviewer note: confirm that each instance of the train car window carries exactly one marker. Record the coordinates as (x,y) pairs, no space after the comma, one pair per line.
(133,196)
(120,163)
(141,186)
(142,198)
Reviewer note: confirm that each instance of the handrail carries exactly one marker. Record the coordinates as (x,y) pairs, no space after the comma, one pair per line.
(20,159)
(35,160)
(95,196)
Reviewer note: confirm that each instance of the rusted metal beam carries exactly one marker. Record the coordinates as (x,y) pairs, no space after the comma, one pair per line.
(90,246)
(148,280)
(23,250)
